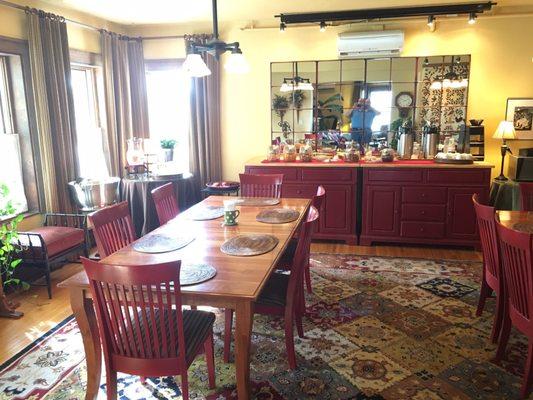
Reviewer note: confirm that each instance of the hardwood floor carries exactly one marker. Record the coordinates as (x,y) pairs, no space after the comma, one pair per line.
(41,314)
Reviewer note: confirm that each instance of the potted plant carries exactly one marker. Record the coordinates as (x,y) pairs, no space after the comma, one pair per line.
(280,104)
(298,98)
(168,148)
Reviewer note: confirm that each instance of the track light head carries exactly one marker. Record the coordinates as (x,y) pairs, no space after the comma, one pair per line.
(282,27)
(472,18)
(323,26)
(431,21)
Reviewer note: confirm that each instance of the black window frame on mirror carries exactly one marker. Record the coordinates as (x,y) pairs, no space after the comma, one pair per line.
(23,119)
(412,83)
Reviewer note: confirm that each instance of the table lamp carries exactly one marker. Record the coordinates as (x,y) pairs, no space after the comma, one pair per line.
(504,131)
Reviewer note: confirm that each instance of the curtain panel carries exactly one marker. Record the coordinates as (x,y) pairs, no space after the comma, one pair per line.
(125,95)
(204,135)
(50,67)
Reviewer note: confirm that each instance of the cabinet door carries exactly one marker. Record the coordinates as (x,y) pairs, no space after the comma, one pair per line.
(382,210)
(338,210)
(461,221)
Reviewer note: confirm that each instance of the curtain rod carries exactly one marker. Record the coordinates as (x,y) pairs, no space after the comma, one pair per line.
(87,26)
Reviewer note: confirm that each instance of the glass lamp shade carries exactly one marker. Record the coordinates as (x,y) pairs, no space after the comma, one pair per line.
(289,87)
(504,131)
(304,86)
(286,87)
(195,66)
(237,64)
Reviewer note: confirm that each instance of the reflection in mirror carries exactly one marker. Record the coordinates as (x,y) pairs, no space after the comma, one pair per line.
(378,70)
(329,72)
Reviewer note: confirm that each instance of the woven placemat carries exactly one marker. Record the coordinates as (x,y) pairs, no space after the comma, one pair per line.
(277,216)
(526,227)
(206,213)
(158,243)
(249,245)
(256,201)
(191,274)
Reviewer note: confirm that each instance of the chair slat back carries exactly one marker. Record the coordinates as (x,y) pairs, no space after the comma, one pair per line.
(516,249)
(318,198)
(166,204)
(526,196)
(138,309)
(489,237)
(301,256)
(267,185)
(112,228)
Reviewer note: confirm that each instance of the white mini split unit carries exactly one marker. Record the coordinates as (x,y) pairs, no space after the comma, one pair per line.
(370,44)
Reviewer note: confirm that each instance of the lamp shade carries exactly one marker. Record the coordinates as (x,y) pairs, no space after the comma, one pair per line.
(237,64)
(505,130)
(195,66)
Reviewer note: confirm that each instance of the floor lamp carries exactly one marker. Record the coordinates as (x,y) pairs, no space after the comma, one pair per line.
(504,131)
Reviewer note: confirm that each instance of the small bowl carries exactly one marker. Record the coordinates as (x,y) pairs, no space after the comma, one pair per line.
(476,122)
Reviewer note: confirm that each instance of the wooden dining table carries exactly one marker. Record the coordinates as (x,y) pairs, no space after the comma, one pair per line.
(236,285)
(521,221)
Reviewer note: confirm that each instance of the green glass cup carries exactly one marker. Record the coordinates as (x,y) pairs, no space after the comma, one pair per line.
(230,217)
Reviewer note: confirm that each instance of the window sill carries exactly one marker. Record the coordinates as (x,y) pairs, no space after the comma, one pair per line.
(25,214)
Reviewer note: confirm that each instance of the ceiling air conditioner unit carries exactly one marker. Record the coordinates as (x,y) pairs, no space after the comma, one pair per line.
(370,44)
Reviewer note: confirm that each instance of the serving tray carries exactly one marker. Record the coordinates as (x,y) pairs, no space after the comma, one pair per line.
(277,216)
(451,161)
(249,245)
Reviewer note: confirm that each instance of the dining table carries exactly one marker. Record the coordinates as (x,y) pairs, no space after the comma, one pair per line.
(236,285)
(521,221)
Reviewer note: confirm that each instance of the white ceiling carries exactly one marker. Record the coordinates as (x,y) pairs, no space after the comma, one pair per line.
(199,11)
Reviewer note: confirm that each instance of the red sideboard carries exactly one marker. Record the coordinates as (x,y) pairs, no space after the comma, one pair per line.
(402,203)
(339,208)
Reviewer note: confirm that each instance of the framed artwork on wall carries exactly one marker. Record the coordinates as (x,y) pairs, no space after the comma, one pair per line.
(520,112)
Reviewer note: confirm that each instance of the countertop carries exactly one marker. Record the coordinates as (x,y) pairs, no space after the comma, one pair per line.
(258,162)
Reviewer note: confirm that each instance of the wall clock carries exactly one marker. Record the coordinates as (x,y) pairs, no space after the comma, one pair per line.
(404,100)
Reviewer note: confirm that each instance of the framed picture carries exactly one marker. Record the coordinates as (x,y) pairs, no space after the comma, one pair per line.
(520,112)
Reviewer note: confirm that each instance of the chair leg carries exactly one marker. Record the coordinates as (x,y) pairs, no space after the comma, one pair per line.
(308,277)
(528,372)
(498,317)
(228,315)
(111,384)
(184,386)
(504,337)
(299,325)
(48,280)
(484,292)
(210,360)
(289,338)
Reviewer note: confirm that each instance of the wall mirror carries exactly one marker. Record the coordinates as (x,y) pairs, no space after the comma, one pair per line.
(367,100)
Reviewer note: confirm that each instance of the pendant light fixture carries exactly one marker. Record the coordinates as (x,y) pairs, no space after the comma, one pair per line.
(195,66)
(296,83)
(451,79)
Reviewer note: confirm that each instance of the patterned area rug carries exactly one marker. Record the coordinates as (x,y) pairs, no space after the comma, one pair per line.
(377,328)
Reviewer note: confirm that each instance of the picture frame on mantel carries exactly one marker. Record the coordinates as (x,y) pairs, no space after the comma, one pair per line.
(519,110)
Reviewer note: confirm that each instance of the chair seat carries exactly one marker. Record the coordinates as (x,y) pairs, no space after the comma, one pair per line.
(197,325)
(57,239)
(274,294)
(287,256)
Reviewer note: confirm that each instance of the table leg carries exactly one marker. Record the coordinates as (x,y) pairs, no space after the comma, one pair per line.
(243,333)
(83,310)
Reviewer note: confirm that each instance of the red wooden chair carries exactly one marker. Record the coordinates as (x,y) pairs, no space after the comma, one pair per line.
(112,228)
(166,204)
(283,294)
(143,328)
(526,196)
(517,260)
(288,255)
(261,185)
(492,270)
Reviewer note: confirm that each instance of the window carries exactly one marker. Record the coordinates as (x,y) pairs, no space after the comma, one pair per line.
(380,99)
(12,195)
(168,93)
(88,112)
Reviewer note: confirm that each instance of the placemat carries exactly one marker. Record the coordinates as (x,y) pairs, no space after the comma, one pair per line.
(277,216)
(206,213)
(256,201)
(191,274)
(158,243)
(249,245)
(526,227)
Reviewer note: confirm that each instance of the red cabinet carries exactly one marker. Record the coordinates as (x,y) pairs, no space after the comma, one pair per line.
(422,205)
(338,219)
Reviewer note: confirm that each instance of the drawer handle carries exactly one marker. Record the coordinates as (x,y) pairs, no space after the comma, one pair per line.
(423,195)
(423,212)
(421,229)
(299,191)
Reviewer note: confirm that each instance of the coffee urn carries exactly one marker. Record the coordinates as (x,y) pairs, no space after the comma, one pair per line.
(405,141)
(430,141)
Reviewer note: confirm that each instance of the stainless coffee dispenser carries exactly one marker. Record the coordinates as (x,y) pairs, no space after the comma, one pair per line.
(430,141)
(405,141)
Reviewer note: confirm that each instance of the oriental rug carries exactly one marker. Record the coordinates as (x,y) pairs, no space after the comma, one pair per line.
(376,328)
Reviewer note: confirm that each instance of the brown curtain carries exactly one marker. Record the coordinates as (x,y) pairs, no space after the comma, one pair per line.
(125,94)
(50,66)
(204,135)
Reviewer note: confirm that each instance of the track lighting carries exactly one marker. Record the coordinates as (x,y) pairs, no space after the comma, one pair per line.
(431,22)
(282,27)
(472,18)
(323,26)
(426,62)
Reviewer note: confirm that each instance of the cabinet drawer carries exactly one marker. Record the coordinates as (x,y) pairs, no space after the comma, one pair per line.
(423,212)
(395,175)
(325,174)
(426,230)
(457,177)
(424,195)
(296,191)
(289,173)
